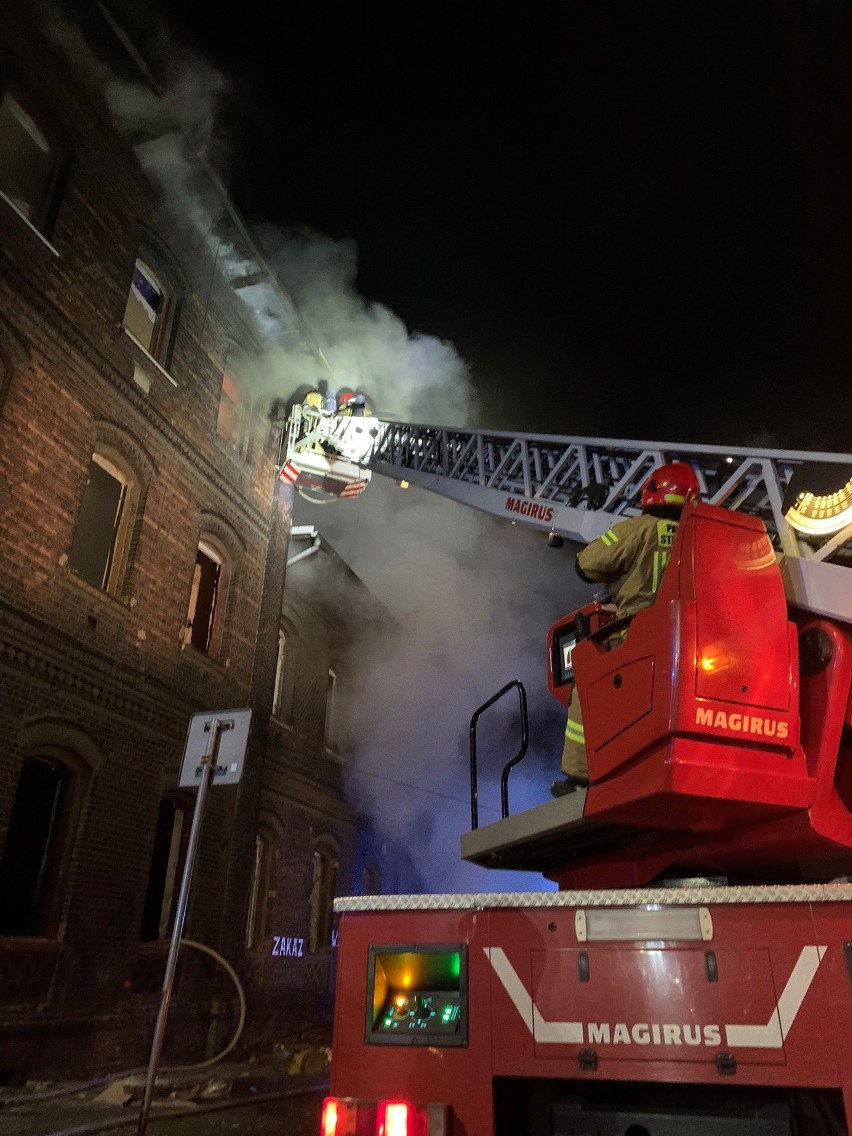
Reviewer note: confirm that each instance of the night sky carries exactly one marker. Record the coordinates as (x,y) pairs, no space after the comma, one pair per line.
(633,220)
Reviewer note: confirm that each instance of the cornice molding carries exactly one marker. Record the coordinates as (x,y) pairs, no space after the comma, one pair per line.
(285,781)
(56,659)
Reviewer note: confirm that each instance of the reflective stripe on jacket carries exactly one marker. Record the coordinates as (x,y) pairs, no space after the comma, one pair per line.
(630,558)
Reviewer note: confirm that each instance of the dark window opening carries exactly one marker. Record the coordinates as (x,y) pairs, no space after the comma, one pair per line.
(322,898)
(330,699)
(27,161)
(261,893)
(164,876)
(31,855)
(372,880)
(279,699)
(204,598)
(93,551)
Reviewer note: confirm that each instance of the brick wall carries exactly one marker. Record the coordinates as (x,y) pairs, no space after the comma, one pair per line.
(104,680)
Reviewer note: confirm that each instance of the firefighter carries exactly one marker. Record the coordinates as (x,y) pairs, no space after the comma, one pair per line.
(351,405)
(629,559)
(313,401)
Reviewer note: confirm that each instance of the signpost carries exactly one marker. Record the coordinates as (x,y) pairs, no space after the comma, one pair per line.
(215,748)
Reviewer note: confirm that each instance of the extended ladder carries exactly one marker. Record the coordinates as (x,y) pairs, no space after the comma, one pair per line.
(578,487)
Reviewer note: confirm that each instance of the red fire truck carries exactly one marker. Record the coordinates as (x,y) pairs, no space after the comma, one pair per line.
(693,973)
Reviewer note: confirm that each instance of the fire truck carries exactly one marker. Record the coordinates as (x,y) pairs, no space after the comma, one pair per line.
(693,971)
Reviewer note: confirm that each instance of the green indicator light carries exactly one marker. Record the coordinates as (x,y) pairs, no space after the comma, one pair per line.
(455,964)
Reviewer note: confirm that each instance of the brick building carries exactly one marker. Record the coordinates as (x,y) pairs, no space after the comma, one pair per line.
(143,548)
(310,845)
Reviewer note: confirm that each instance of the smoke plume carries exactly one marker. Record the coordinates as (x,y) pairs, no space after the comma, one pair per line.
(368,347)
(178,130)
(471,598)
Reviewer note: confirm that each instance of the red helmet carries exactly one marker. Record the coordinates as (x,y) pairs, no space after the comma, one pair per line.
(672,484)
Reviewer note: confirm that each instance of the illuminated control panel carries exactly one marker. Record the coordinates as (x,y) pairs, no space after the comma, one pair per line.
(426,1012)
(417,995)
(563,651)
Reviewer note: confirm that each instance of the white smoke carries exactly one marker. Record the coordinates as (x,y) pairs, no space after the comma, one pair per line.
(472,598)
(179,140)
(404,375)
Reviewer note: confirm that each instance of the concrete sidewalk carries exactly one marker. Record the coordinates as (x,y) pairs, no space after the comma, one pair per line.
(113,1102)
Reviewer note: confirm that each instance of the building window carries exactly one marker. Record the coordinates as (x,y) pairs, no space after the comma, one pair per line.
(230,409)
(279,699)
(167,863)
(206,601)
(232,425)
(102,525)
(325,865)
(372,880)
(330,699)
(28,162)
(147,310)
(34,848)
(261,893)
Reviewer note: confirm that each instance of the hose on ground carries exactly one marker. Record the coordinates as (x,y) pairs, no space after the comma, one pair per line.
(196,1110)
(97,1082)
(238,986)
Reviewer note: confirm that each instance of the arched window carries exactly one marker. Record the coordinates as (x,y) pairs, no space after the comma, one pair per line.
(206,613)
(29,161)
(324,885)
(282,700)
(99,546)
(168,859)
(330,735)
(149,311)
(233,425)
(261,891)
(230,409)
(38,846)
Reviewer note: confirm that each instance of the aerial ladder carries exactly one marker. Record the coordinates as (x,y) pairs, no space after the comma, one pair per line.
(693,971)
(576,488)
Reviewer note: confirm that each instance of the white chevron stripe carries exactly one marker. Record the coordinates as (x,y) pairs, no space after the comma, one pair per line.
(769,1036)
(773,1034)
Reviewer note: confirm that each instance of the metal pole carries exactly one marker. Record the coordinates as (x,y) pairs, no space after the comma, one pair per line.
(207,763)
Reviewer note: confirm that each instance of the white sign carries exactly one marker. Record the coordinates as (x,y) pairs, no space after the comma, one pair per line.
(230,747)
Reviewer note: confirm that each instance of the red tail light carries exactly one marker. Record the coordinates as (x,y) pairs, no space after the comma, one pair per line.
(398,1118)
(339,1117)
(345,1116)
(328,1120)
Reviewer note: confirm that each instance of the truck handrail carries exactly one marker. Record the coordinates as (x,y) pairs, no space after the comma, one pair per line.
(504,778)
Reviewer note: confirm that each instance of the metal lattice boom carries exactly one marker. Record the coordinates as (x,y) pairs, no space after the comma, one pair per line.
(578,487)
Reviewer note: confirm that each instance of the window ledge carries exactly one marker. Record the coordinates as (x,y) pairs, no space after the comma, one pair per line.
(29,943)
(196,655)
(148,357)
(33,228)
(235,452)
(70,577)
